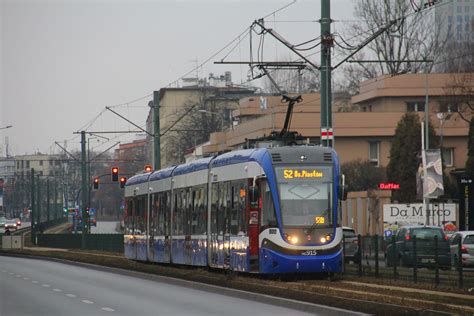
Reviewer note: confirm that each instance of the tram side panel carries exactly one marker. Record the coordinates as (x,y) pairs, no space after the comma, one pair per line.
(189,218)
(231,216)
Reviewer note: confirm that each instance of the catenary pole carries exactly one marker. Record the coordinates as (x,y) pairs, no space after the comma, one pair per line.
(38,203)
(83,188)
(326,43)
(33,206)
(156,131)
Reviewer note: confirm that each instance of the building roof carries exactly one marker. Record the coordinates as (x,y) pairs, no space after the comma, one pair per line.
(411,85)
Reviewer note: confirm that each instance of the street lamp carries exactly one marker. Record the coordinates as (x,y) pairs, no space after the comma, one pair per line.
(5,127)
(425,146)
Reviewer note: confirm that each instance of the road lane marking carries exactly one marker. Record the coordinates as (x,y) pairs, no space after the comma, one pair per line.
(87,302)
(108,309)
(71,295)
(4,271)
(35,282)
(57,290)
(26,279)
(18,275)
(46,285)
(11,273)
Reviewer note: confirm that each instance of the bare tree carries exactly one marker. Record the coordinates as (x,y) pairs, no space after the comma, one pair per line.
(413,37)
(459,95)
(199,119)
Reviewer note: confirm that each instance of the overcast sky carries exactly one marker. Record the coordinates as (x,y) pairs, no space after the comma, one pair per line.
(63,61)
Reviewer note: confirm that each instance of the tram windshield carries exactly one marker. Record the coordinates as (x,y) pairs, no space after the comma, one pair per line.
(305,195)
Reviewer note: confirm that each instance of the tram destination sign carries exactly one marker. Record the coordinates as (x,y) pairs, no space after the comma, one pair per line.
(416,213)
(304,173)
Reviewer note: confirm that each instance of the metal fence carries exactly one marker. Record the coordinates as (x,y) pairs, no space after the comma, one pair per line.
(99,242)
(415,260)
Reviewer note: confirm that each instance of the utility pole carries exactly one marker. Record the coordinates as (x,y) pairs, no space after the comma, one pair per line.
(55,197)
(33,207)
(38,203)
(326,88)
(83,188)
(47,201)
(156,131)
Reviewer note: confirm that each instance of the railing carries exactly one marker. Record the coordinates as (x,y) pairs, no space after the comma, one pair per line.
(415,260)
(99,242)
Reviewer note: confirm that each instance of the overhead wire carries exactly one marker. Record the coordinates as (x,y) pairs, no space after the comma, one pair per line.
(238,38)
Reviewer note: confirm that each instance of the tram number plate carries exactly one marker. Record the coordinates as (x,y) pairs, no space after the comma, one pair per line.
(309,253)
(425,260)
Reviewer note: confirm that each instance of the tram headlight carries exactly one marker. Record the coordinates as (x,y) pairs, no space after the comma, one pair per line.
(325,239)
(292,239)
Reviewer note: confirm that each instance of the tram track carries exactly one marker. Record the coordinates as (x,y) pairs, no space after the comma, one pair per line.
(368,297)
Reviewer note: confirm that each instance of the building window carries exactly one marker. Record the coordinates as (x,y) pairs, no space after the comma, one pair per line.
(367,108)
(448,107)
(27,164)
(448,157)
(415,106)
(374,153)
(41,162)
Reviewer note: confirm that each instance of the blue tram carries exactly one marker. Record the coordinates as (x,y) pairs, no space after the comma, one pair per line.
(256,210)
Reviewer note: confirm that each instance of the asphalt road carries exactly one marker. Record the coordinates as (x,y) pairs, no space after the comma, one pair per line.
(40,287)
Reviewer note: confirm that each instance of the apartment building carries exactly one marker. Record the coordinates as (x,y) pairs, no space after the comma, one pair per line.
(44,165)
(367,132)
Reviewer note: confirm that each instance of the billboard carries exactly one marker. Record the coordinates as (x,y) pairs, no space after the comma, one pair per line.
(415,213)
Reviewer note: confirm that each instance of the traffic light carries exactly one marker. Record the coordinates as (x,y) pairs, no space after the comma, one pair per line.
(148,168)
(122,182)
(96,183)
(115,172)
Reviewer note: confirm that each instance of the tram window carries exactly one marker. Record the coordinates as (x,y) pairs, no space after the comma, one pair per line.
(154,213)
(175,214)
(214,206)
(128,218)
(188,207)
(221,208)
(268,209)
(167,213)
(140,216)
(236,216)
(242,195)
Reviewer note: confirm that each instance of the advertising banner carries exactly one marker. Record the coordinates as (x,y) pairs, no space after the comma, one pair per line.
(439,213)
(1,192)
(433,180)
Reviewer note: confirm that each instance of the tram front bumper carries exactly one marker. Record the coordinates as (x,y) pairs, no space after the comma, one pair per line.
(274,262)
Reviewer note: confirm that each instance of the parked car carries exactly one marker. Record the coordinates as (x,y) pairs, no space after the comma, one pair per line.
(351,245)
(467,248)
(3,220)
(10,224)
(18,222)
(402,252)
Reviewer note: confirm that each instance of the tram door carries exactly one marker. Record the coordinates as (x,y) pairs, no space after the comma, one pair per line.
(151,222)
(220,224)
(253,217)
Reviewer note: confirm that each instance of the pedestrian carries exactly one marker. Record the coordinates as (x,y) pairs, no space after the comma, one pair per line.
(7,232)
